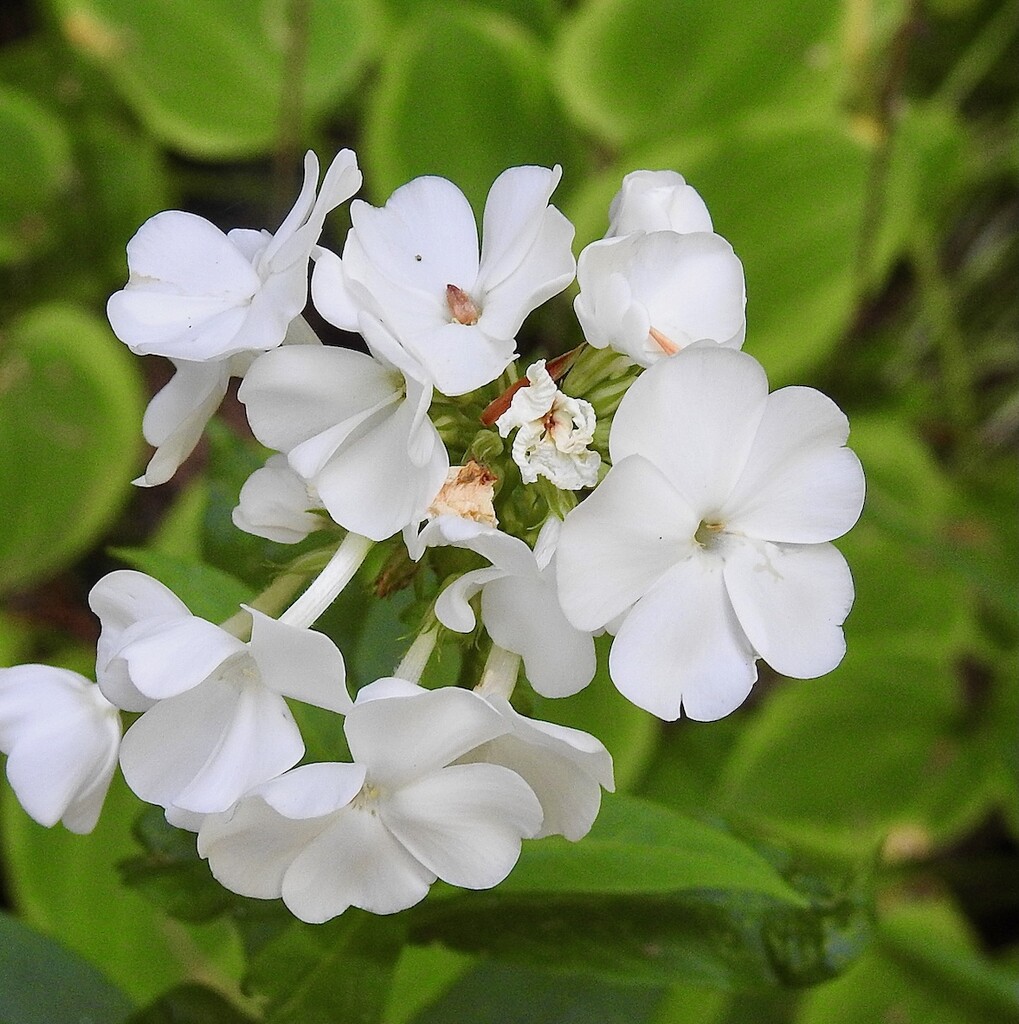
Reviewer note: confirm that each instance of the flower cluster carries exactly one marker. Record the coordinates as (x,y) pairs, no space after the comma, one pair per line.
(643,484)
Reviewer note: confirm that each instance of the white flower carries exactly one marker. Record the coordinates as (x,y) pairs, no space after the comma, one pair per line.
(566,768)
(61,737)
(375,834)
(354,427)
(650,295)
(553,433)
(414,264)
(215,721)
(275,503)
(519,602)
(656,201)
(197,294)
(705,546)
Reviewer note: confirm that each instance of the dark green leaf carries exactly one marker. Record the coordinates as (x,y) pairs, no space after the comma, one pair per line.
(44,983)
(191,1004)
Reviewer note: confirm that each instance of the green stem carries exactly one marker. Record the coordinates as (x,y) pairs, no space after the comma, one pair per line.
(983,53)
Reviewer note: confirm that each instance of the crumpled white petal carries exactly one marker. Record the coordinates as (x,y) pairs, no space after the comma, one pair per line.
(61,738)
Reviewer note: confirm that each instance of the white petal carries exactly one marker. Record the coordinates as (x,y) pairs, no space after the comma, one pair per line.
(657,201)
(460,357)
(124,597)
(791,601)
(177,656)
(299,663)
(681,649)
(695,417)
(465,822)
(452,607)
(619,541)
(331,293)
(355,862)
(176,417)
(312,790)
(799,485)
(274,503)
(299,212)
(522,614)
(402,738)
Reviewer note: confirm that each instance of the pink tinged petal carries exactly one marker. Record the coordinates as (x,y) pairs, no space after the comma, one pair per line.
(465,823)
(452,607)
(799,485)
(178,656)
(299,663)
(312,790)
(403,738)
(791,601)
(620,541)
(695,416)
(331,293)
(522,614)
(61,737)
(354,862)
(250,850)
(681,650)
(202,750)
(297,392)
(373,487)
(176,417)
(429,218)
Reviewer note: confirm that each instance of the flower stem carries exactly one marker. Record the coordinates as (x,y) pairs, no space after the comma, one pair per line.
(330,582)
(415,660)
(499,676)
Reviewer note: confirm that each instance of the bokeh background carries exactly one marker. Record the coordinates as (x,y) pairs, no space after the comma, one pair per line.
(862,156)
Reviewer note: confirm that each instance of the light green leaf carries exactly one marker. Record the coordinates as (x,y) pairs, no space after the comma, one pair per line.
(634,70)
(70,415)
(43,983)
(463,94)
(35,171)
(208,78)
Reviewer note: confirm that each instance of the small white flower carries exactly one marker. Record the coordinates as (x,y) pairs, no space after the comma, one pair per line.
(656,201)
(650,295)
(275,503)
(215,721)
(553,433)
(519,602)
(61,736)
(706,545)
(197,294)
(375,834)
(354,427)
(414,264)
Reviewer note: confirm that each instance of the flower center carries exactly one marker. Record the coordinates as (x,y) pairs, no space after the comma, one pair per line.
(367,798)
(708,532)
(461,306)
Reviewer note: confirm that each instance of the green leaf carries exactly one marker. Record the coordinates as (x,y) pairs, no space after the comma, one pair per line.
(35,171)
(634,70)
(463,94)
(191,1004)
(68,887)
(653,898)
(339,971)
(70,407)
(923,968)
(536,15)
(210,593)
(423,974)
(222,96)
(44,983)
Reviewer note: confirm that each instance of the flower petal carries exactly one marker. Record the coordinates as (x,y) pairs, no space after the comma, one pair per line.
(791,601)
(681,649)
(799,485)
(619,541)
(312,790)
(465,822)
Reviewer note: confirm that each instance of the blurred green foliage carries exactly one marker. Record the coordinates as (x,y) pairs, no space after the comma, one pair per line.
(861,157)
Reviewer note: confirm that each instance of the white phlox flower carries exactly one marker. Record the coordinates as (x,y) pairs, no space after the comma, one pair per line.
(519,601)
(61,737)
(375,834)
(567,768)
(354,427)
(214,722)
(275,503)
(415,265)
(656,201)
(197,294)
(706,545)
(650,295)
(553,433)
